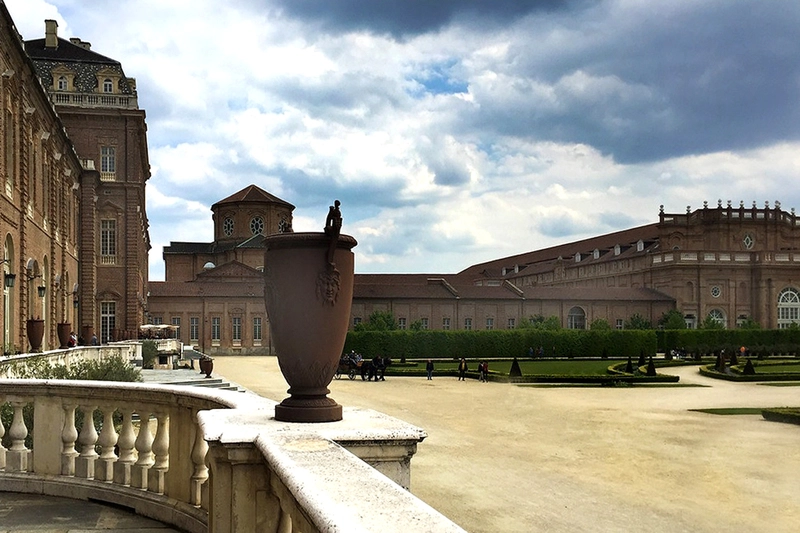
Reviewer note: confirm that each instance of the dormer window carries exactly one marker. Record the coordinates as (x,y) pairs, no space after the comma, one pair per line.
(640,246)
(578,258)
(617,249)
(62,83)
(108,86)
(596,253)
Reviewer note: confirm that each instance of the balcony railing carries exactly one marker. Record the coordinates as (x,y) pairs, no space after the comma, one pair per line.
(212,461)
(123,101)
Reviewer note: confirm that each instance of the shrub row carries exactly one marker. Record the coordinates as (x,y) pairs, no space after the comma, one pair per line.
(405,344)
(786,415)
(761,342)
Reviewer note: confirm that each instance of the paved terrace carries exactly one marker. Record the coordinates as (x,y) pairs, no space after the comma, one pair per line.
(508,458)
(522,459)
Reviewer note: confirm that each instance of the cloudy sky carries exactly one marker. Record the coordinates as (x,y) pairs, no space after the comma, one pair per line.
(453,131)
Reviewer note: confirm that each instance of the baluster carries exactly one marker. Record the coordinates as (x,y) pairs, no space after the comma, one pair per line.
(2,449)
(108,438)
(84,464)
(144,443)
(200,475)
(68,437)
(17,454)
(156,474)
(127,455)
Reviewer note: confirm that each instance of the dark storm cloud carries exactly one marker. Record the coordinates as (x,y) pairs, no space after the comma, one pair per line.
(648,85)
(408,17)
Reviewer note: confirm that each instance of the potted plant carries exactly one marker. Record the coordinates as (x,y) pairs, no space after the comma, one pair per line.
(308,293)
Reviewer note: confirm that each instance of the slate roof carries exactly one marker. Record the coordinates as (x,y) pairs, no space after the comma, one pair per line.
(494,268)
(83,62)
(252,194)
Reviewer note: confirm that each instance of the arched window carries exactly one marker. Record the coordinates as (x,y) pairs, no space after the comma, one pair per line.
(62,83)
(788,308)
(576,319)
(718,316)
(108,86)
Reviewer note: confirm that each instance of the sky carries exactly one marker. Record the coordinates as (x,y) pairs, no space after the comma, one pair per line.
(457,131)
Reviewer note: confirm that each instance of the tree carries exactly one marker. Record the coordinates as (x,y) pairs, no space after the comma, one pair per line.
(637,321)
(672,319)
(378,321)
(749,323)
(600,324)
(710,322)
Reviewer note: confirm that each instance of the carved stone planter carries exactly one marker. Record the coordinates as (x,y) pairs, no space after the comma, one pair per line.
(309,292)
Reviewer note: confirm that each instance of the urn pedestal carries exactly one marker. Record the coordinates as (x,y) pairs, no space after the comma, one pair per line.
(308,293)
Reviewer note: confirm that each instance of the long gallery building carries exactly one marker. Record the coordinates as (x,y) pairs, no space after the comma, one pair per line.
(730,263)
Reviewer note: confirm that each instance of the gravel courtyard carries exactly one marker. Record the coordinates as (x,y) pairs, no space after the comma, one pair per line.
(505,458)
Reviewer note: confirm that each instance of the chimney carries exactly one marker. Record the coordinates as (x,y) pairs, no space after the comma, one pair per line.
(50,34)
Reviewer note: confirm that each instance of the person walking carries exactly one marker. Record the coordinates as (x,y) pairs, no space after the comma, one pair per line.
(429,369)
(462,370)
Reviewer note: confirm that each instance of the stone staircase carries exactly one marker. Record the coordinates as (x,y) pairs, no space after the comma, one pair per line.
(188,378)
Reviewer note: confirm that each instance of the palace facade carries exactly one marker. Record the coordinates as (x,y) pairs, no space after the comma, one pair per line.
(730,264)
(74,166)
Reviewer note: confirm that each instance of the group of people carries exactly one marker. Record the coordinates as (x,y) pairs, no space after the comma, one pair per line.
(370,369)
(463,368)
(74,340)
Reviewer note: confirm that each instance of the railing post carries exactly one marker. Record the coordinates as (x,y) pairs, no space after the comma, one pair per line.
(200,472)
(239,497)
(48,412)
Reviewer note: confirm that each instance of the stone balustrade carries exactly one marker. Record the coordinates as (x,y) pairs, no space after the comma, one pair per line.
(210,460)
(13,366)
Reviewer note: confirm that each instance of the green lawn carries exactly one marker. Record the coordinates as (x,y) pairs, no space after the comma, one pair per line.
(567,367)
(779,368)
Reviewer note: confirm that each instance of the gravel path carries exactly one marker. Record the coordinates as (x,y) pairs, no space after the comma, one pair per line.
(505,458)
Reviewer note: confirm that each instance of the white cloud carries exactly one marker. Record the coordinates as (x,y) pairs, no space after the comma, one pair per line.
(459,144)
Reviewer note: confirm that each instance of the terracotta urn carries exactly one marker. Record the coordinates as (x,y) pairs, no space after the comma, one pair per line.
(35,331)
(64,329)
(309,292)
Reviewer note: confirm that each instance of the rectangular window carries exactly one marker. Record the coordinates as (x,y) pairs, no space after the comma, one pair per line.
(445,323)
(356,320)
(108,163)
(194,329)
(467,323)
(512,323)
(424,323)
(619,323)
(237,330)
(401,323)
(257,331)
(215,330)
(490,323)
(176,321)
(108,241)
(108,320)
(157,320)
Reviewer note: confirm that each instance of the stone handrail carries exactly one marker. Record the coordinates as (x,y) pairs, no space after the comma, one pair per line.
(210,460)
(13,366)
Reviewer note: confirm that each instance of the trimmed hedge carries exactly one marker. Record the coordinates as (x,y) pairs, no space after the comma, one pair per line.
(405,344)
(786,415)
(760,342)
